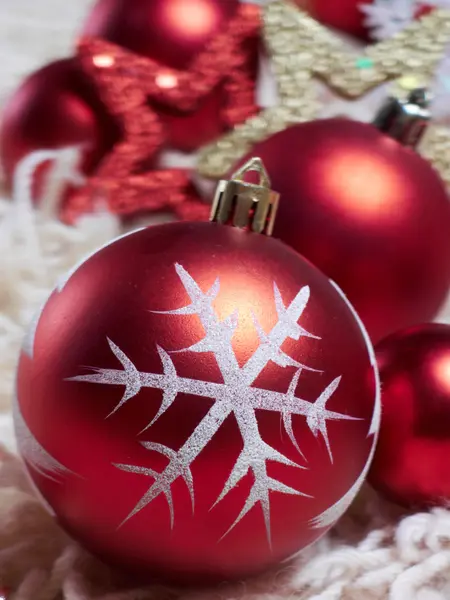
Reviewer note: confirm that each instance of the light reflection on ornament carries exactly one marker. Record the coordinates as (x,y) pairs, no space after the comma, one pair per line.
(440,368)
(349,176)
(103,61)
(192,18)
(166,81)
(249,290)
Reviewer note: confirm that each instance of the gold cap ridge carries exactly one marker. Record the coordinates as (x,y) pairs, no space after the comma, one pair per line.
(246,205)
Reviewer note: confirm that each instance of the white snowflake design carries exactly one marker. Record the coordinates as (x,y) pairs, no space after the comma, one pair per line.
(236,395)
(386,18)
(32,451)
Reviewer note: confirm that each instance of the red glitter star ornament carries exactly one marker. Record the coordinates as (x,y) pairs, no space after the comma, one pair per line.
(133,87)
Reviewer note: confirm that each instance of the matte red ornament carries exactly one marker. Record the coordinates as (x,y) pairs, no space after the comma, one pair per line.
(370,213)
(411,464)
(170,32)
(55,107)
(152,386)
(345,15)
(174,34)
(147,98)
(425,9)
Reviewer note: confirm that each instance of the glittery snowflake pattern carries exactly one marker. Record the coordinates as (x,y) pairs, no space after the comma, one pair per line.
(237,384)
(32,451)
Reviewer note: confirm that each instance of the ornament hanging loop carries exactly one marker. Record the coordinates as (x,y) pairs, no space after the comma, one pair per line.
(246,205)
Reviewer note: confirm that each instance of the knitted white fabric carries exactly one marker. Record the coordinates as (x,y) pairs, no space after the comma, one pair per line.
(376,552)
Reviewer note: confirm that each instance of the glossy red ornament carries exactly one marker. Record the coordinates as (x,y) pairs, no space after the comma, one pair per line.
(151,389)
(411,464)
(174,33)
(370,213)
(55,107)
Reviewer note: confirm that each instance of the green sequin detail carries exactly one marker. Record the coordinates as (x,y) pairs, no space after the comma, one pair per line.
(364,63)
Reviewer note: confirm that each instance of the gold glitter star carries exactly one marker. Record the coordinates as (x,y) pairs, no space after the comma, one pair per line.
(303,50)
(436,148)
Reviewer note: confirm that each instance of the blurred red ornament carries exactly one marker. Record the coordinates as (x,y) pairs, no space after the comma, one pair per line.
(142,95)
(55,107)
(199,337)
(175,34)
(189,75)
(425,9)
(180,29)
(370,213)
(133,88)
(345,15)
(411,464)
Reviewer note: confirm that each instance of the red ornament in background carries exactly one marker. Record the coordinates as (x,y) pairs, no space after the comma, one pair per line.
(411,465)
(180,29)
(188,75)
(134,88)
(370,213)
(55,107)
(198,338)
(174,34)
(344,15)
(425,9)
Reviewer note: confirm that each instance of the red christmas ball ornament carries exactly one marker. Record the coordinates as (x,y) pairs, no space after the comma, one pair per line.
(368,211)
(424,9)
(151,387)
(411,461)
(55,107)
(174,33)
(345,15)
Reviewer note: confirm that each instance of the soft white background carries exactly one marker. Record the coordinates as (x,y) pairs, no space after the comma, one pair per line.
(33,32)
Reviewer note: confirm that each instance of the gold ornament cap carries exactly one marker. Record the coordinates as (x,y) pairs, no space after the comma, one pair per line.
(246,205)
